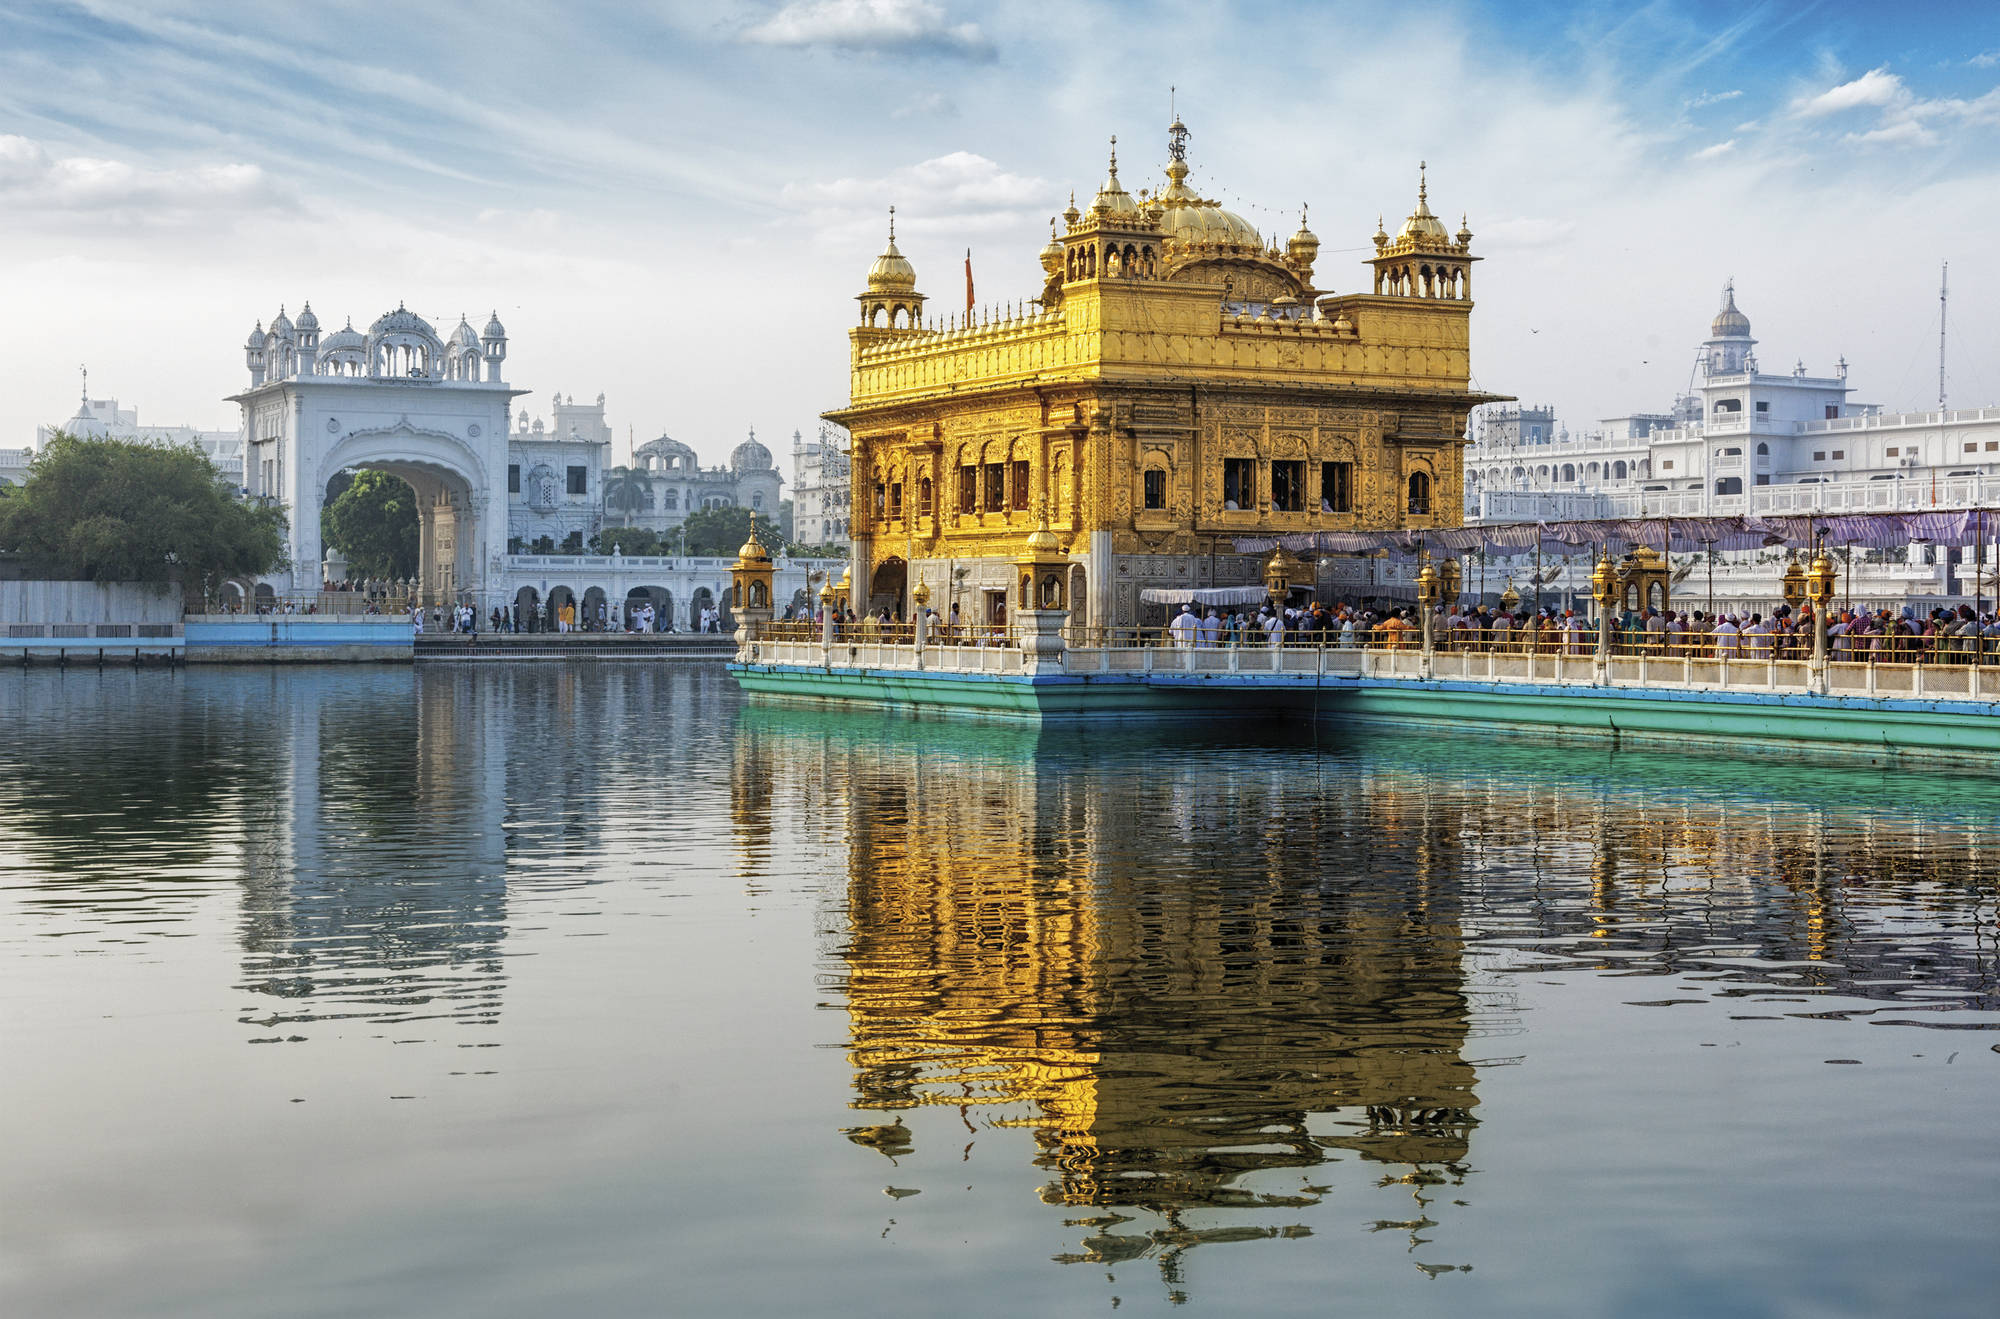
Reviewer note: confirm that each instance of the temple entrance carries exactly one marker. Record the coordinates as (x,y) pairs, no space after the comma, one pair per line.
(1079,595)
(885,589)
(443,476)
(596,615)
(525,601)
(702,602)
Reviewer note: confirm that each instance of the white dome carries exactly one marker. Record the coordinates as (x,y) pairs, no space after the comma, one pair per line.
(751,456)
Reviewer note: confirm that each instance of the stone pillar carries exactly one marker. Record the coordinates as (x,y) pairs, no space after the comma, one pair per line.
(426,550)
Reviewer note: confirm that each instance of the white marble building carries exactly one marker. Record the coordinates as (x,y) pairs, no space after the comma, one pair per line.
(672,484)
(821,488)
(103,418)
(1745,441)
(507,512)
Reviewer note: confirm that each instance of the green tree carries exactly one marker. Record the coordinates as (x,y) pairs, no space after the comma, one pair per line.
(628,491)
(374,523)
(718,532)
(633,541)
(115,510)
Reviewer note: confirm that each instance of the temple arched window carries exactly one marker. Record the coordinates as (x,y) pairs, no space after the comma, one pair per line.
(1420,492)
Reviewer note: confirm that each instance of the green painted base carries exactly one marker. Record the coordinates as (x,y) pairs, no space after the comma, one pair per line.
(1899,728)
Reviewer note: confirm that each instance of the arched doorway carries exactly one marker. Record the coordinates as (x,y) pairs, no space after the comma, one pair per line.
(1079,581)
(596,615)
(525,601)
(452,490)
(639,597)
(558,597)
(702,602)
(885,588)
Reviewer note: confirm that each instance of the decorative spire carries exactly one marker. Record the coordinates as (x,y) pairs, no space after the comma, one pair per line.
(1177,136)
(1423,185)
(892,224)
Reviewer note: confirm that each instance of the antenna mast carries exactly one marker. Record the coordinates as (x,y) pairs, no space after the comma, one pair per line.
(1944,294)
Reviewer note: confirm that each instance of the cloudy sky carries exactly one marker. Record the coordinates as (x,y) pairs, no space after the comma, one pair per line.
(674,204)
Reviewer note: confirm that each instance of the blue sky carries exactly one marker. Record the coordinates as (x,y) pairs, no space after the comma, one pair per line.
(674,205)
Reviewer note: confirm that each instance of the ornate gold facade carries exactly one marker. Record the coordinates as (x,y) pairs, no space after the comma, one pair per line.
(1178,382)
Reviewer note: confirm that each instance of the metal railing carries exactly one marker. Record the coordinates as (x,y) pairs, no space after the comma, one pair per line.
(311,602)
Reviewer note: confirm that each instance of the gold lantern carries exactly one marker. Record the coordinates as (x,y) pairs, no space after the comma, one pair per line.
(1604,583)
(1795,584)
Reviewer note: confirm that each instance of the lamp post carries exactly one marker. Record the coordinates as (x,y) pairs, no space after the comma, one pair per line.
(1603,589)
(1428,584)
(1819,588)
(921,598)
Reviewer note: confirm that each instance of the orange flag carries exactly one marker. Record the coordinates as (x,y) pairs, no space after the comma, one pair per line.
(968,280)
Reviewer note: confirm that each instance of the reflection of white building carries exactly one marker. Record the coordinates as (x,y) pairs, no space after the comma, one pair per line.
(102,418)
(1745,441)
(821,489)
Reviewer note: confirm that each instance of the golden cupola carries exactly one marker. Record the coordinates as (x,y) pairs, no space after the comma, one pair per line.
(1186,218)
(1112,199)
(892,300)
(1424,260)
(1303,247)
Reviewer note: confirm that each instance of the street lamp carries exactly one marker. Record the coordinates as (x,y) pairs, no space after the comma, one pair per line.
(1429,588)
(1819,589)
(1604,590)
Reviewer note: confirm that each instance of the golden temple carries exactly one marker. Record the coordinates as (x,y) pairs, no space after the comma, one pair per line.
(1179,381)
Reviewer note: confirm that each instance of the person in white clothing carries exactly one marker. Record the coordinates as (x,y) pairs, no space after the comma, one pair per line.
(1274,630)
(1211,630)
(1183,628)
(1725,637)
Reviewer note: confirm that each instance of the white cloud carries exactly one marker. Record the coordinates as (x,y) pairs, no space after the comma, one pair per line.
(1985,60)
(1712,98)
(33,180)
(1906,119)
(934,106)
(1907,133)
(873,27)
(1719,149)
(966,189)
(1877,87)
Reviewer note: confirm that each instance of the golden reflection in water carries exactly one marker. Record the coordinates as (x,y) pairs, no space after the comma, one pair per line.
(1142,964)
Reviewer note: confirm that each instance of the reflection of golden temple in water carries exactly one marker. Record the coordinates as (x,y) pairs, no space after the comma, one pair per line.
(1167,1033)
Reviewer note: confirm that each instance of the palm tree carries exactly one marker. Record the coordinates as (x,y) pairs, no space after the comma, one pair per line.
(628,490)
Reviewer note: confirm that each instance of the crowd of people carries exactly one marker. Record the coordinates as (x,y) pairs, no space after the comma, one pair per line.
(1941,636)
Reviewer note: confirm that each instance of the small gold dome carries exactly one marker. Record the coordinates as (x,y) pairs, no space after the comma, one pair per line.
(1422,226)
(1052,255)
(1111,198)
(1304,245)
(892,272)
(1043,541)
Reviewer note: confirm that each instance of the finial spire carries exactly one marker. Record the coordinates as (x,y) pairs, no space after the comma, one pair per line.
(86,385)
(1423,185)
(1114,153)
(892,224)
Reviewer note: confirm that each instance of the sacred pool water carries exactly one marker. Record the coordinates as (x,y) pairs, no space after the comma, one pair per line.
(539,990)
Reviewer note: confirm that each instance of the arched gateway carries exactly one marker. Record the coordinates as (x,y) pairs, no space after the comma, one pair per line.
(399,399)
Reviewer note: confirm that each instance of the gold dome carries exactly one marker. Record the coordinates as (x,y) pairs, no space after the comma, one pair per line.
(752,550)
(1304,244)
(1052,255)
(1111,198)
(892,272)
(1729,323)
(1185,217)
(1422,225)
(1043,541)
